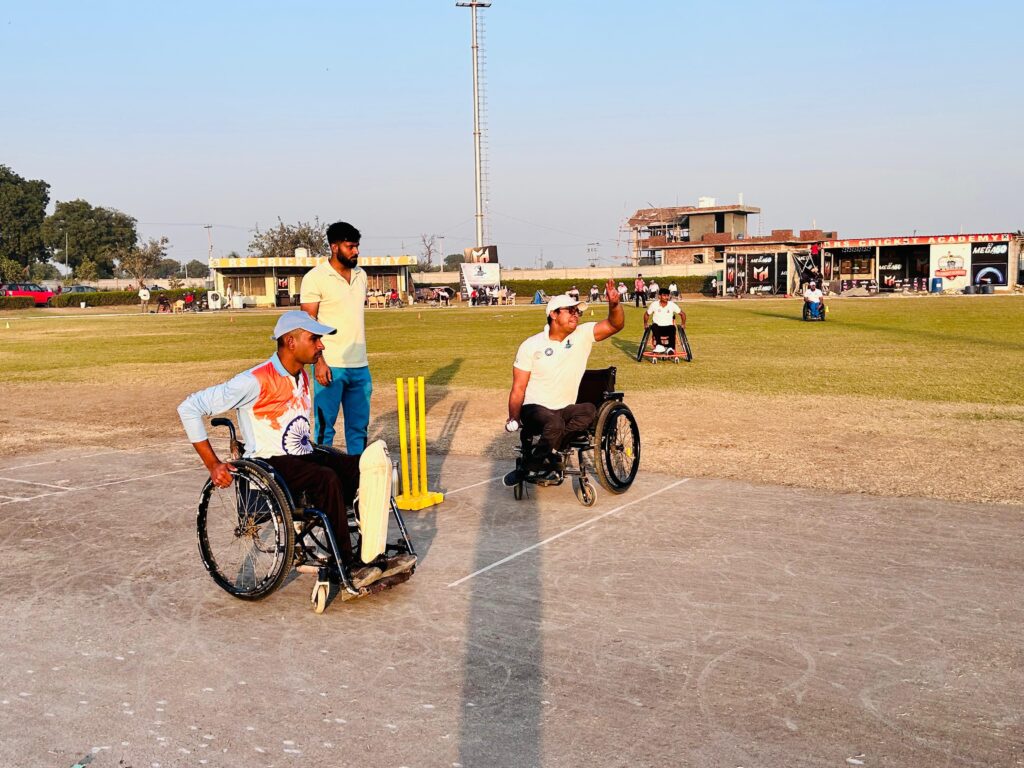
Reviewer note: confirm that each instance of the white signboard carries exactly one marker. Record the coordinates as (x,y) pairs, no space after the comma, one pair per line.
(477,275)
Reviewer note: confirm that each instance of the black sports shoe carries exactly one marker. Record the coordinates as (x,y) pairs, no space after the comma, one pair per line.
(511,479)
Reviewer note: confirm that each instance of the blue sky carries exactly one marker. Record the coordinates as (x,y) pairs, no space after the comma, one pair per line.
(868,118)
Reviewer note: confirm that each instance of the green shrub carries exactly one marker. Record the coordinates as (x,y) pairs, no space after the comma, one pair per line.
(120,298)
(17,302)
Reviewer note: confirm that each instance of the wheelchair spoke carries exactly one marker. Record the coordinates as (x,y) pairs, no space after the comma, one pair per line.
(244,535)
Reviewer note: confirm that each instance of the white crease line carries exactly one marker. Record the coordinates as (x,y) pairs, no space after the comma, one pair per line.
(31,482)
(102,485)
(57,461)
(474,485)
(566,532)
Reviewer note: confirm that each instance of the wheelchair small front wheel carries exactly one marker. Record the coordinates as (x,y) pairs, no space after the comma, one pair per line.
(246,535)
(585,492)
(616,447)
(320,598)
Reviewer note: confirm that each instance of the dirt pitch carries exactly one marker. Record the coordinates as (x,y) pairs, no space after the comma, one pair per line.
(690,622)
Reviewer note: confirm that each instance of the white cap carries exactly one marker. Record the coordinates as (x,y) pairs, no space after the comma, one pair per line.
(564,301)
(295,319)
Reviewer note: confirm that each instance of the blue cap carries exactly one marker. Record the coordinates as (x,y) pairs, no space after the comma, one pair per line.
(295,319)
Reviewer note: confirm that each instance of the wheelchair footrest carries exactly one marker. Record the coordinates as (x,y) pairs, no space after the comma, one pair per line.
(386,582)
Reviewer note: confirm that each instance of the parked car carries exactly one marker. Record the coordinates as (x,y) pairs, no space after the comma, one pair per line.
(42,296)
(80,289)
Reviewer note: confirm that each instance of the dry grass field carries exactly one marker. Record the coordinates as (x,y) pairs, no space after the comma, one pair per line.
(892,396)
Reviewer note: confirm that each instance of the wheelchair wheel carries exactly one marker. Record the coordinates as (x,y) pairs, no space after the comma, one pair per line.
(686,346)
(806,312)
(319,598)
(585,492)
(246,536)
(616,447)
(643,344)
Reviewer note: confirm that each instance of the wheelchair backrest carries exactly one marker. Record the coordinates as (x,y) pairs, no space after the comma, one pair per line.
(595,384)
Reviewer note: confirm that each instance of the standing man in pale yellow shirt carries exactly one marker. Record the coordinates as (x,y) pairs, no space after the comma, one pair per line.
(334,293)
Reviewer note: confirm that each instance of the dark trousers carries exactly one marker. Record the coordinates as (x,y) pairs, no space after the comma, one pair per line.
(330,481)
(639,297)
(553,426)
(664,334)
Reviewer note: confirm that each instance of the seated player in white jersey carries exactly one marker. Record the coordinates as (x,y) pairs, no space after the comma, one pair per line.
(546,378)
(661,317)
(814,299)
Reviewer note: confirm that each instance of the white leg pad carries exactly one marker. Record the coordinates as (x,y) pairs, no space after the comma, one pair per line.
(374,499)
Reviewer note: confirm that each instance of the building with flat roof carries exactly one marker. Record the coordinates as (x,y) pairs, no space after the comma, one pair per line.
(912,262)
(277,281)
(717,236)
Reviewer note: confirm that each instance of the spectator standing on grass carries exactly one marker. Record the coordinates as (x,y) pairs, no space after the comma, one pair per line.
(144,298)
(334,292)
(639,291)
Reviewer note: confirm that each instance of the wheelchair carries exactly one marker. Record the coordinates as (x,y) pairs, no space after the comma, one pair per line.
(810,314)
(254,531)
(682,340)
(611,445)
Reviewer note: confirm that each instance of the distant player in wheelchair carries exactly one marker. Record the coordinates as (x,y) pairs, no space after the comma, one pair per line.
(551,399)
(814,302)
(290,498)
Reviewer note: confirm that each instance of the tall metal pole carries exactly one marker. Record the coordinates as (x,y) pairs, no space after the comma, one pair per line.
(476,124)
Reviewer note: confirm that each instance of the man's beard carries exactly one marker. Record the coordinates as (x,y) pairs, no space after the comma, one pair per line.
(348,263)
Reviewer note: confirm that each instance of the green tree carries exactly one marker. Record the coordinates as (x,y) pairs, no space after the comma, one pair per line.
(93,233)
(282,240)
(10,270)
(196,268)
(40,270)
(86,272)
(452,261)
(140,261)
(167,268)
(22,211)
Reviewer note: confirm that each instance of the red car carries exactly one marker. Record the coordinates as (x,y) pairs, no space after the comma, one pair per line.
(43,297)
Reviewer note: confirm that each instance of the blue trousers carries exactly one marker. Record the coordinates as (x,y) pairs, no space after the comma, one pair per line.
(348,392)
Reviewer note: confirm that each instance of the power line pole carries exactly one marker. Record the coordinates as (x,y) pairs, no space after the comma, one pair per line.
(476,123)
(209,238)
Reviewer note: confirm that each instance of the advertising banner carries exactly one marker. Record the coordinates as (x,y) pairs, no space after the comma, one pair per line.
(782,273)
(761,273)
(952,263)
(730,274)
(479,275)
(990,263)
(487,254)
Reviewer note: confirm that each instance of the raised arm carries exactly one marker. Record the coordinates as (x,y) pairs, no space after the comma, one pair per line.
(616,320)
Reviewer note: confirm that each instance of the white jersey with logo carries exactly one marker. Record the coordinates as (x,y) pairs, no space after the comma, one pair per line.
(556,367)
(813,296)
(663,315)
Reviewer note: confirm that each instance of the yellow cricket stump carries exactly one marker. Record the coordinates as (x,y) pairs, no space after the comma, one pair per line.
(414,449)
